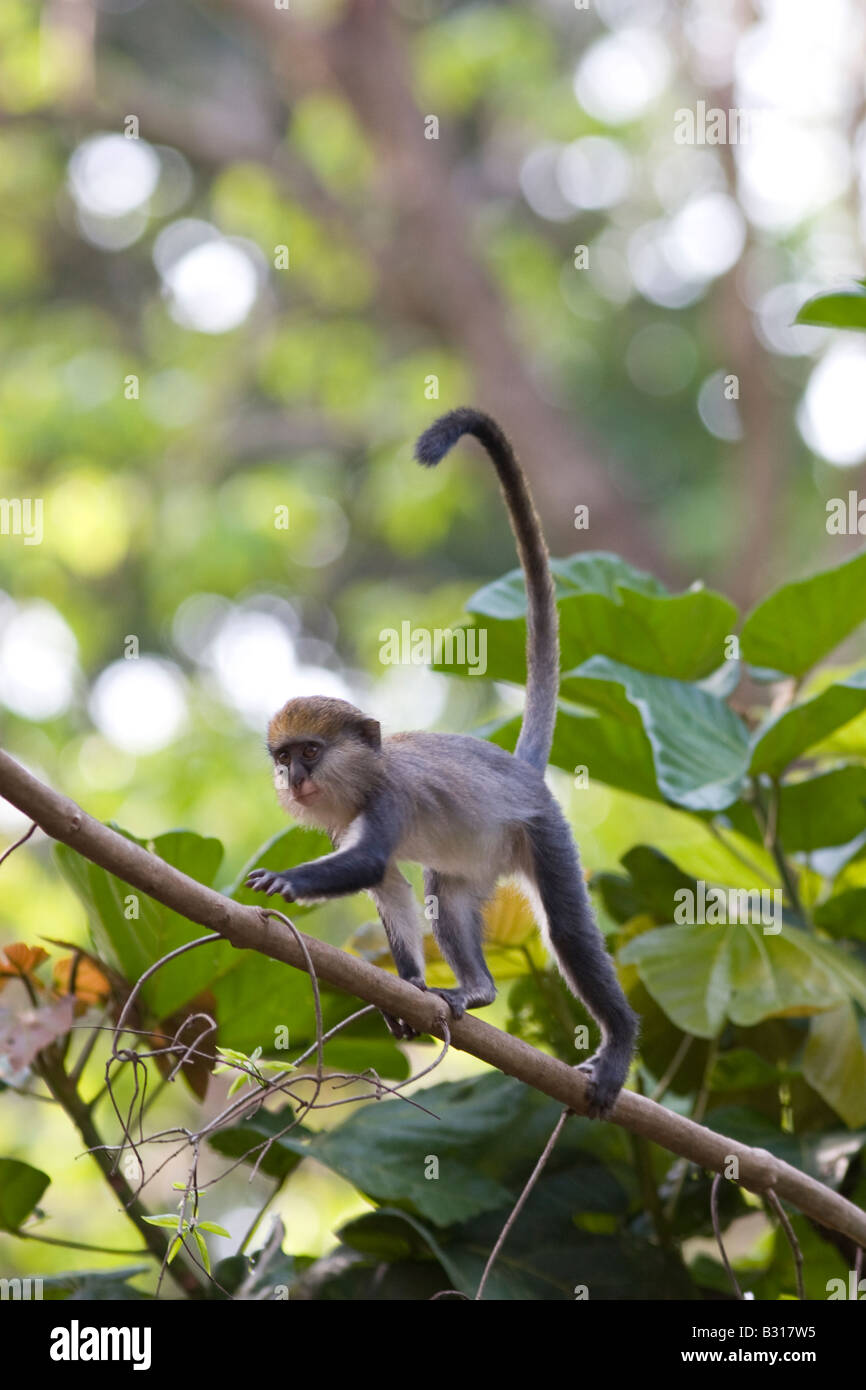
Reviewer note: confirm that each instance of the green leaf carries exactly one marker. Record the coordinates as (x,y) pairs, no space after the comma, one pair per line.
(841,309)
(834,1063)
(213,1229)
(700,748)
(656,880)
(202,1248)
(133,943)
(615,753)
(253,998)
(170,1222)
(741,1069)
(703,976)
(588,572)
(390,1235)
(606,608)
(547,1264)
(245,1140)
(803,622)
(383,1150)
(21,1187)
(782,739)
(173,1249)
(844,914)
(254,995)
(826,810)
(285,850)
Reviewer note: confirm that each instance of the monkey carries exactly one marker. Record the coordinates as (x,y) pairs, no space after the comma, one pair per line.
(466,810)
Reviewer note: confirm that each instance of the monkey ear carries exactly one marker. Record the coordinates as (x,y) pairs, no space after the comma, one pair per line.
(371,732)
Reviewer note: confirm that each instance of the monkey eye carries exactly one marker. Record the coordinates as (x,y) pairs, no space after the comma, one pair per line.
(282,758)
(310,752)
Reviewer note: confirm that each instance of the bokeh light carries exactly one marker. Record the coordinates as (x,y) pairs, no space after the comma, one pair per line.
(831,417)
(38,660)
(139,705)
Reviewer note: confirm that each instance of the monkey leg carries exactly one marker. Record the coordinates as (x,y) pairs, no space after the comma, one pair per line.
(399,911)
(457,927)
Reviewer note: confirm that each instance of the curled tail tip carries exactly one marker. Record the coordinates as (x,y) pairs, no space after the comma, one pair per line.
(440,437)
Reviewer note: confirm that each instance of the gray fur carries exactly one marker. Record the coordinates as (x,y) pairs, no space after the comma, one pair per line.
(469,812)
(542,619)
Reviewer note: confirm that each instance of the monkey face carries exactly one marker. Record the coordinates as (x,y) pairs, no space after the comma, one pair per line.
(296,765)
(326,757)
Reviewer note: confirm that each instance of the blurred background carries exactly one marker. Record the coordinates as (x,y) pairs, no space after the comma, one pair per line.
(248,252)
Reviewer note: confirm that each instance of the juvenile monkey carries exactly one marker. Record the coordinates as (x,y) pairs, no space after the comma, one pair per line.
(466,810)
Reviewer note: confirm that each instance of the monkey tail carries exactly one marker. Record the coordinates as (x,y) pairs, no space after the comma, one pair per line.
(542,642)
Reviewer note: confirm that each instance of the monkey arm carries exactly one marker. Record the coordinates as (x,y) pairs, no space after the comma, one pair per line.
(359,863)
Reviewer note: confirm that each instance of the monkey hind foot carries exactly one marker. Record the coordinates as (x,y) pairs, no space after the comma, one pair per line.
(459,1000)
(605,1079)
(400,1029)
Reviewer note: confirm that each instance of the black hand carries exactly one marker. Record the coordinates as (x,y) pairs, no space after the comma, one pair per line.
(266,881)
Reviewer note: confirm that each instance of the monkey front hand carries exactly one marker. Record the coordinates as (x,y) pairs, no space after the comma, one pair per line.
(266,881)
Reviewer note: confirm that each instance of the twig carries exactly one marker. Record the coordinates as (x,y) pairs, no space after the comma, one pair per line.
(521,1201)
(792,1241)
(24,838)
(714,1213)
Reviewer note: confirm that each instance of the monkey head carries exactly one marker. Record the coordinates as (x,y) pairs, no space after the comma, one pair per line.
(326,758)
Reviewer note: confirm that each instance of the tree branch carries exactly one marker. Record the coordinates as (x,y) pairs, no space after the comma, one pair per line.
(249,928)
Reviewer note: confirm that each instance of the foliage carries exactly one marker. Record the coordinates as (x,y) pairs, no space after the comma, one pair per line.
(763,961)
(693,765)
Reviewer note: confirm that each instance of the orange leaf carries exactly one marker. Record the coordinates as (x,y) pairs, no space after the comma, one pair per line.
(22,960)
(90,984)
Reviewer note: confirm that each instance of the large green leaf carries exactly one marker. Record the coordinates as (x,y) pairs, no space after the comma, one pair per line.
(700,747)
(257,999)
(801,623)
(844,914)
(260,1001)
(607,608)
(649,890)
(782,739)
(703,976)
(397,1257)
(841,309)
(383,1149)
(485,1135)
(21,1187)
(588,572)
(829,809)
(131,931)
(295,845)
(615,753)
(390,1235)
(133,943)
(834,1062)
(551,1259)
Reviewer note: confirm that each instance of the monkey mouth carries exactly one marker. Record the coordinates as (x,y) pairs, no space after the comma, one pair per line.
(299,795)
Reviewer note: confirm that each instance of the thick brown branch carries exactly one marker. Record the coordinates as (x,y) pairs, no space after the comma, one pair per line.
(248,928)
